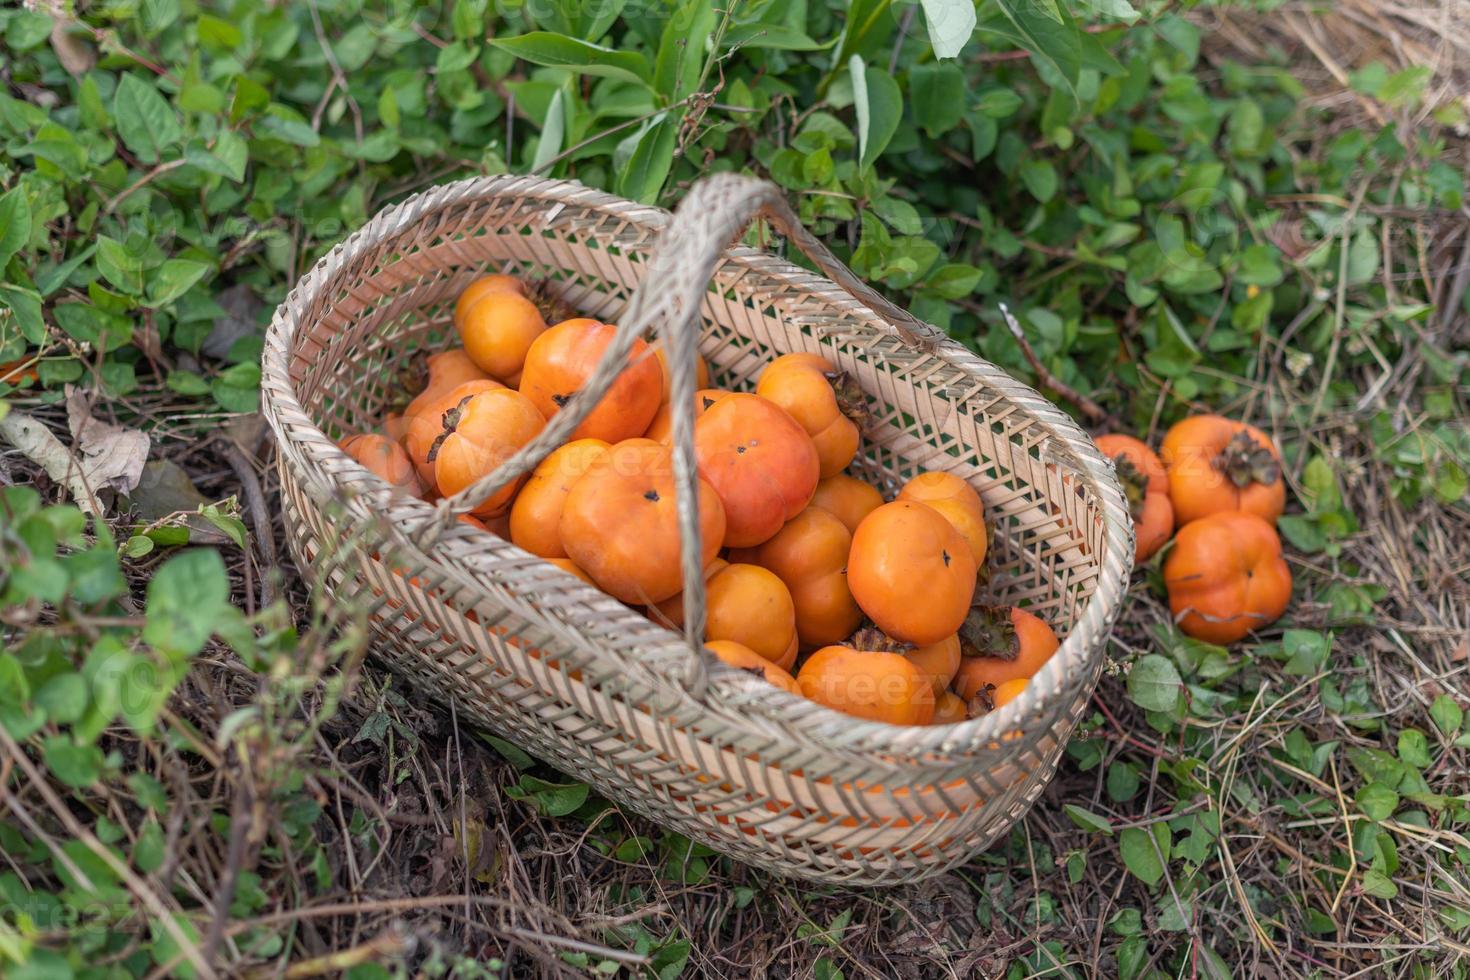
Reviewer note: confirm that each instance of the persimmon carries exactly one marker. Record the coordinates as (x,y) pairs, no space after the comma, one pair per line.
(1005,693)
(427,425)
(497,332)
(740,656)
(480,434)
(569,566)
(761,463)
(498,526)
(878,685)
(563,358)
(482,287)
(911,572)
(701,370)
(384,459)
(1146,486)
(743,603)
(809,554)
(441,372)
(938,661)
(535,517)
(824,401)
(751,605)
(957,502)
(949,709)
(1226,577)
(999,645)
(670,612)
(1216,464)
(847,497)
(20,372)
(620,524)
(661,429)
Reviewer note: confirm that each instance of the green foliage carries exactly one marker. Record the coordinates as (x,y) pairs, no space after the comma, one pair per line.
(1157,222)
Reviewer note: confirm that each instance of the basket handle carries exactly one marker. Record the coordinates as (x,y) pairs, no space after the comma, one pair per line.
(714,213)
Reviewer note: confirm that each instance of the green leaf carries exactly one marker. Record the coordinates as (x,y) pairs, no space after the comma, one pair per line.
(553,131)
(186,596)
(173,279)
(551,799)
(1447,714)
(773,36)
(652,156)
(681,51)
(1413,748)
(1054,42)
(879,105)
(560,51)
(147,124)
(63,697)
(25,305)
(1377,801)
(950,24)
(998,103)
(1087,820)
(1306,651)
(1145,851)
(72,764)
(938,96)
(1154,683)
(15,223)
(1040,178)
(1363,257)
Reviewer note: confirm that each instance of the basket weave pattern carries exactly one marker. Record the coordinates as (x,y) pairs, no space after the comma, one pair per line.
(581,680)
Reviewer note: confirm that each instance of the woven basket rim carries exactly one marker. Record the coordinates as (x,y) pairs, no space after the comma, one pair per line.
(1082,648)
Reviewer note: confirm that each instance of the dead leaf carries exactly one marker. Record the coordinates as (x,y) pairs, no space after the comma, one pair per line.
(242,308)
(165,489)
(111,456)
(74,53)
(41,447)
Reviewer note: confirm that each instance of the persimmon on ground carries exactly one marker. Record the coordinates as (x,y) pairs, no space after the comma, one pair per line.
(1146,487)
(1217,464)
(1226,577)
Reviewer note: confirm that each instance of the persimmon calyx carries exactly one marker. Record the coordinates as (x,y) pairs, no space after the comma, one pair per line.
(852,401)
(989,632)
(413,377)
(548,303)
(983,703)
(450,423)
(1135,484)
(870,639)
(1244,461)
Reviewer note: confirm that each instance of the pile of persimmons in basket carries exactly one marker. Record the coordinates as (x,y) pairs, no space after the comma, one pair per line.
(812,580)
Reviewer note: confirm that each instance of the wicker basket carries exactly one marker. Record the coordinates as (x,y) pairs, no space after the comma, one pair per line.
(593,687)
